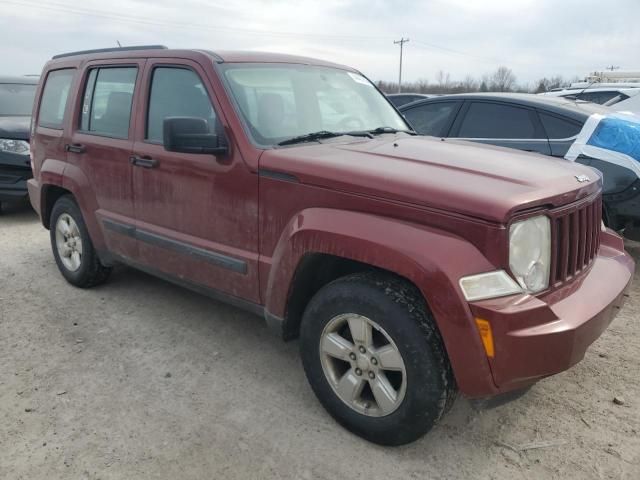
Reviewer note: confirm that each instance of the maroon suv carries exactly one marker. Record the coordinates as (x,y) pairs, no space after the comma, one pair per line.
(409,267)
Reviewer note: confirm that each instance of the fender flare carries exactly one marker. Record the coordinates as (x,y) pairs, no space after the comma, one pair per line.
(51,175)
(76,182)
(431,259)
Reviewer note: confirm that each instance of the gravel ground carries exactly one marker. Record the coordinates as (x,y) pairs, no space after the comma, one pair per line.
(140,379)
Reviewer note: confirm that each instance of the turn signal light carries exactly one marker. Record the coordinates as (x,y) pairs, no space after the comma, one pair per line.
(484,328)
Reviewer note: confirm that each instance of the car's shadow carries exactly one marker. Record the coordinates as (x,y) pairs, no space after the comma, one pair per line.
(18,213)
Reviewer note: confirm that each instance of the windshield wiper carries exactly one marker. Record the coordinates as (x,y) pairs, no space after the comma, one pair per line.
(310,137)
(381,130)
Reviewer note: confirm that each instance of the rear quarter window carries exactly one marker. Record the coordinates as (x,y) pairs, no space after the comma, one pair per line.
(54,98)
(558,128)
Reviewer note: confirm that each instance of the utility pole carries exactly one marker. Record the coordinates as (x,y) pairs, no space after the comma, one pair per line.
(400,42)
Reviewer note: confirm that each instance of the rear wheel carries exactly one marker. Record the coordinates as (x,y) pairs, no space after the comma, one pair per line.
(374,358)
(73,251)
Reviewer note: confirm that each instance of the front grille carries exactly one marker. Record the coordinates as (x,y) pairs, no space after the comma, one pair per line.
(575,234)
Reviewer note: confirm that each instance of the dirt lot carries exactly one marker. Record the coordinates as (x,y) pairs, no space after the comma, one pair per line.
(141,379)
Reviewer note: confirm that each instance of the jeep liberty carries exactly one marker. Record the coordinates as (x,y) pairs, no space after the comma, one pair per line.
(409,268)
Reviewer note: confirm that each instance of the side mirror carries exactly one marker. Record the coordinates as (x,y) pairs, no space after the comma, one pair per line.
(191,135)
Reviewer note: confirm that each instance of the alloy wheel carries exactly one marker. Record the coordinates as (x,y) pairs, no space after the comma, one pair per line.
(69,242)
(363,365)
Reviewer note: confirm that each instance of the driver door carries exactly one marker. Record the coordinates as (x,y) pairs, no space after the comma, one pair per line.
(196,214)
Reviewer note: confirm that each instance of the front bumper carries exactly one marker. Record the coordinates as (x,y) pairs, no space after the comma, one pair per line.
(12,189)
(13,182)
(535,337)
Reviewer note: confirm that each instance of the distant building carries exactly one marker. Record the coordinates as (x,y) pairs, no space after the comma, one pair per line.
(613,77)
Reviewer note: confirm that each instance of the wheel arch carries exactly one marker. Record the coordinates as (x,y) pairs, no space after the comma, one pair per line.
(337,243)
(50,195)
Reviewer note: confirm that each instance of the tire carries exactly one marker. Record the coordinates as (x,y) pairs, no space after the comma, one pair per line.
(89,271)
(400,319)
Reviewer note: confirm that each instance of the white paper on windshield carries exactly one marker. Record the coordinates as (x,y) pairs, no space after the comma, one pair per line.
(359,78)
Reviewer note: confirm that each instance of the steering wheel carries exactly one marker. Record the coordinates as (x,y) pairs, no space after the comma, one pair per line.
(351,123)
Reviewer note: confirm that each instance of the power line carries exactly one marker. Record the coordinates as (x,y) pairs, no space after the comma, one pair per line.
(400,42)
(81,11)
(137,20)
(132,19)
(460,53)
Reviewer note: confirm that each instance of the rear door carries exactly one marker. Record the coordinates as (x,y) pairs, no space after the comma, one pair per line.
(48,136)
(101,144)
(503,124)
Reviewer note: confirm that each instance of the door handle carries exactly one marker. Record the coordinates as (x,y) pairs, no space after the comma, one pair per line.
(75,148)
(144,162)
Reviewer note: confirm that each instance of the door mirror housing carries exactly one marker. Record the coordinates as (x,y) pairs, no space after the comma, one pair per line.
(191,135)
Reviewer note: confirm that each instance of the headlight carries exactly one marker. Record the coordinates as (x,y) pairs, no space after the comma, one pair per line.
(14,146)
(530,252)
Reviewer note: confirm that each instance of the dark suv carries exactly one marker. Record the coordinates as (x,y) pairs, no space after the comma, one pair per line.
(16,103)
(409,269)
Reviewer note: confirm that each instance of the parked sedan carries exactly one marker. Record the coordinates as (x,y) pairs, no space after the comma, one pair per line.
(16,102)
(542,124)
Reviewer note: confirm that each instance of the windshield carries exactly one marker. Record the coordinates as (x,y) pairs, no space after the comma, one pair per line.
(283,101)
(16,98)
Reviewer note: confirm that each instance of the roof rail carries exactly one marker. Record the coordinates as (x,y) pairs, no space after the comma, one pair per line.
(114,49)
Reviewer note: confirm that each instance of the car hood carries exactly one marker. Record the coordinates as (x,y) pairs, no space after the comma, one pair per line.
(486,182)
(14,127)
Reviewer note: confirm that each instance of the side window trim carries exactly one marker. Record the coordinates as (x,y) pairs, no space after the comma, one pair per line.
(533,115)
(91,79)
(86,79)
(452,120)
(147,101)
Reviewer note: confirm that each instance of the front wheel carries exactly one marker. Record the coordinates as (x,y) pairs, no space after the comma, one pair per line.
(73,250)
(375,359)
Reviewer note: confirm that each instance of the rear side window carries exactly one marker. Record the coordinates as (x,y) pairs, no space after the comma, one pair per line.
(431,119)
(106,107)
(176,92)
(558,128)
(494,120)
(54,98)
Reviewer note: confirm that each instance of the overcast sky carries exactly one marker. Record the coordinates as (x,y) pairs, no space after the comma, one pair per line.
(533,37)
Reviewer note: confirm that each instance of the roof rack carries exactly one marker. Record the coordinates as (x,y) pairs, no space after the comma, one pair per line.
(115,49)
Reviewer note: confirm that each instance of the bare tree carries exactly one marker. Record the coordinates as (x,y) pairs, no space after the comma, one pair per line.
(422,86)
(502,80)
(443,79)
(547,84)
(469,84)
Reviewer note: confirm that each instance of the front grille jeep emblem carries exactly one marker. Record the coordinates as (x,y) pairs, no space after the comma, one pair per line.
(582,178)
